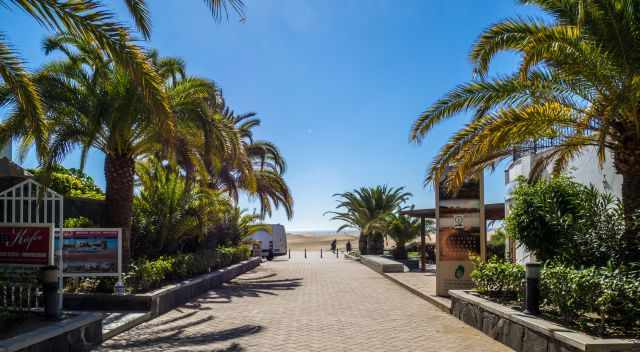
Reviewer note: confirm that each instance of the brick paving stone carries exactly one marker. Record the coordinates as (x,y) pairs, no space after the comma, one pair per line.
(303,305)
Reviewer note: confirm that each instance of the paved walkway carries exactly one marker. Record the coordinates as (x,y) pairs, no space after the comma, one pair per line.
(306,305)
(423,284)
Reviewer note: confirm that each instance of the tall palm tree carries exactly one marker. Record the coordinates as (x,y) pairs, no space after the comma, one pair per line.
(366,209)
(91,22)
(85,20)
(92,103)
(216,146)
(577,84)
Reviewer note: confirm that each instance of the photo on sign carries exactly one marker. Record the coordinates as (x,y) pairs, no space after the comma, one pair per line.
(90,251)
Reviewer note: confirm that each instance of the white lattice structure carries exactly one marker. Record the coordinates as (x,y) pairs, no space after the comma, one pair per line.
(28,202)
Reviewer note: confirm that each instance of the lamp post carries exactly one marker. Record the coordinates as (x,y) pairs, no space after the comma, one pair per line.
(532,295)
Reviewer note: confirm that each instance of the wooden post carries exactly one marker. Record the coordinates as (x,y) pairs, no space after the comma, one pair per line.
(423,245)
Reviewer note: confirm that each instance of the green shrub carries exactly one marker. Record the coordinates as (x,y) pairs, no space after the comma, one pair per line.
(80,221)
(498,278)
(612,294)
(565,221)
(147,274)
(69,182)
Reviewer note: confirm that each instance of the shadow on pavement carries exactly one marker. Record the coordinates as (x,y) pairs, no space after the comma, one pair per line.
(179,340)
(233,348)
(256,288)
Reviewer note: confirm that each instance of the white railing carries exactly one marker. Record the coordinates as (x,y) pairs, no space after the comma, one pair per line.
(20,297)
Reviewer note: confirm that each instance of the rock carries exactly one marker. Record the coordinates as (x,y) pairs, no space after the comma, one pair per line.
(471,315)
(558,347)
(534,342)
(457,307)
(513,336)
(489,322)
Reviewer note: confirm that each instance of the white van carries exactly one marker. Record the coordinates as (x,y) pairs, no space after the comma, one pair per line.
(277,240)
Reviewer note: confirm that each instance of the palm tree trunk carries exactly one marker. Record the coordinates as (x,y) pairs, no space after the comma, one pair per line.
(362,244)
(627,163)
(631,204)
(119,172)
(375,243)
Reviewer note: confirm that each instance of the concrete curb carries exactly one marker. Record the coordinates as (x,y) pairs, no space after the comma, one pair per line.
(440,305)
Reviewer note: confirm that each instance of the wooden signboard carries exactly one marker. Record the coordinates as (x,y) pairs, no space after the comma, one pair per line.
(460,234)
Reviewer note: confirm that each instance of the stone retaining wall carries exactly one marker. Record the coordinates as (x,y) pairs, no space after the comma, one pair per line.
(527,333)
(381,264)
(81,332)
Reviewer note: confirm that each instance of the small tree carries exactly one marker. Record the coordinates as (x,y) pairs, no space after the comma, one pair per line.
(566,221)
(402,229)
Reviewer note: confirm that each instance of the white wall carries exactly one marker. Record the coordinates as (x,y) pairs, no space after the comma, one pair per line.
(584,168)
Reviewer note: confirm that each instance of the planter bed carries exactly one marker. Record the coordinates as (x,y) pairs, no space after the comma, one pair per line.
(524,332)
(162,300)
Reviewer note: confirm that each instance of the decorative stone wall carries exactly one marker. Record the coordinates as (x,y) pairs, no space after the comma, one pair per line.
(514,335)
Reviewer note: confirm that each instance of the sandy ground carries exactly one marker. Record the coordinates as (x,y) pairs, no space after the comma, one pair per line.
(314,243)
(299,242)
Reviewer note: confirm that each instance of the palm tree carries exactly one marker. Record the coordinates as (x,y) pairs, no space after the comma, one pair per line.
(217,147)
(238,226)
(401,229)
(88,21)
(169,213)
(366,209)
(257,168)
(577,84)
(85,20)
(92,103)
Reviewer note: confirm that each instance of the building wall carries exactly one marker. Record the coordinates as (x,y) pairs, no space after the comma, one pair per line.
(584,169)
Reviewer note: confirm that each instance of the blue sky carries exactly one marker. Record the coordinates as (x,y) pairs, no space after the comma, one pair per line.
(337,83)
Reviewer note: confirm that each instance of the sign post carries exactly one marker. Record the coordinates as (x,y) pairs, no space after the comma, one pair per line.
(460,233)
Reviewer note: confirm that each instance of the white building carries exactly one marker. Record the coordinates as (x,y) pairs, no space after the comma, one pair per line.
(584,169)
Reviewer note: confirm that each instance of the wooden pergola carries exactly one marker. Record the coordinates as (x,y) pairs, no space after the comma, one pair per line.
(493,211)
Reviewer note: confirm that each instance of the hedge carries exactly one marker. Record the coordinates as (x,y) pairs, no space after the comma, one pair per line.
(145,274)
(611,295)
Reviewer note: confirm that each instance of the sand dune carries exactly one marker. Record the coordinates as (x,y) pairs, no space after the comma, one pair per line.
(299,242)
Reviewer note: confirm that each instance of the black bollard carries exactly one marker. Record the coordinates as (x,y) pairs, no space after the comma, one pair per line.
(289,253)
(337,253)
(305,253)
(320,253)
(532,294)
(49,278)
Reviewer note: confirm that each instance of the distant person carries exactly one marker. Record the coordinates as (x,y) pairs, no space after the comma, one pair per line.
(348,246)
(334,244)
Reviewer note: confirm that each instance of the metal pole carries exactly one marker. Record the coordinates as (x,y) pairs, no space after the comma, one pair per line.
(532,295)
(423,245)
(289,253)
(305,253)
